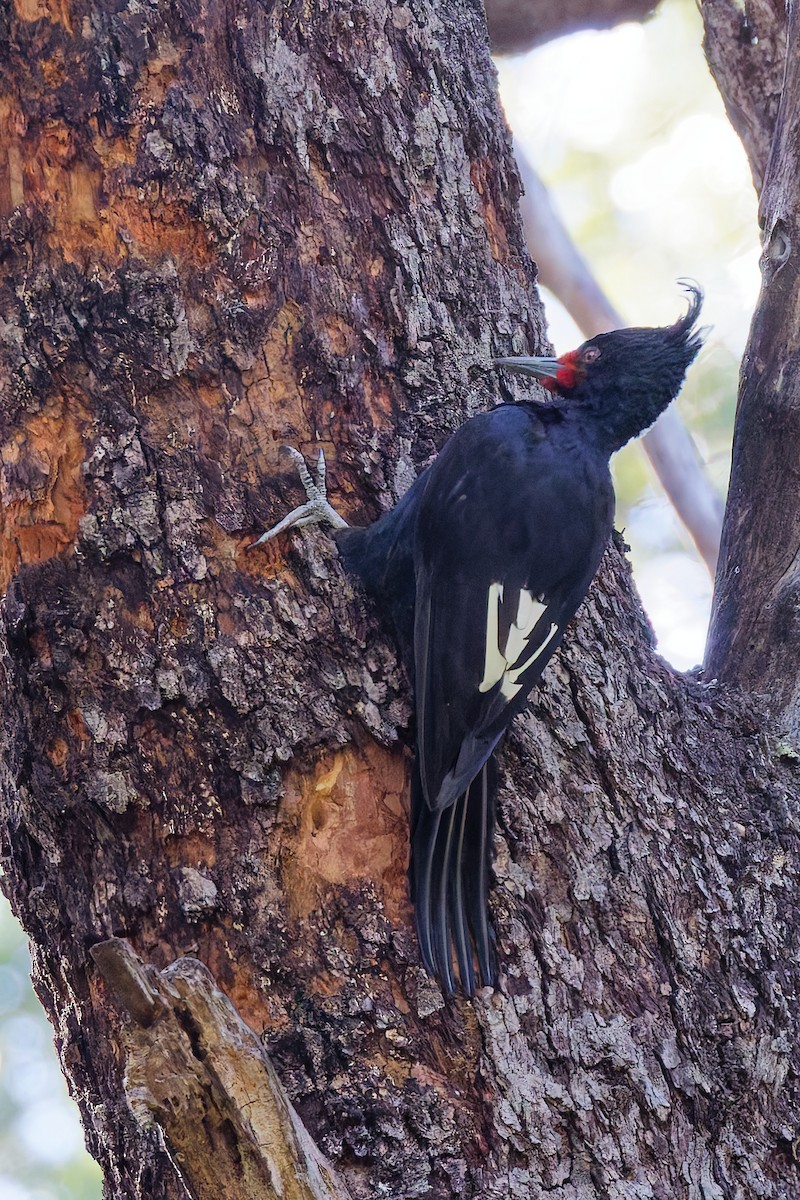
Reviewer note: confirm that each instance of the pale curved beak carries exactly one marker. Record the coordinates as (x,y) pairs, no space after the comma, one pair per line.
(539,368)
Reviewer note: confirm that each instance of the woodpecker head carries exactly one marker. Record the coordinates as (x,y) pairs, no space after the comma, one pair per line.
(620,382)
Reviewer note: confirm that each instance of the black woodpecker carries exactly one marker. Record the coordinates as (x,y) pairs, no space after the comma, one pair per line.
(480,567)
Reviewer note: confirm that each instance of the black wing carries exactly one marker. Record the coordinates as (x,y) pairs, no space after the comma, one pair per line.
(504,553)
(508,536)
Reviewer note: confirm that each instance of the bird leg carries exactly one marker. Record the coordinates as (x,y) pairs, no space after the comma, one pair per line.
(316,511)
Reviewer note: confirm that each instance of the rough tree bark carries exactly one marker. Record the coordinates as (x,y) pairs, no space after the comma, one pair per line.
(754,639)
(228,227)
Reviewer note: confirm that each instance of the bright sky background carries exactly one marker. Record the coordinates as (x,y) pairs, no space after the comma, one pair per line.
(628,130)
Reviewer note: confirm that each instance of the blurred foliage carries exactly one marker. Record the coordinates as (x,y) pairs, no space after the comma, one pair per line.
(627,129)
(42,1155)
(629,132)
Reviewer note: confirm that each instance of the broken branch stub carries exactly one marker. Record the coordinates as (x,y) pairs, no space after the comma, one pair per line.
(199,1073)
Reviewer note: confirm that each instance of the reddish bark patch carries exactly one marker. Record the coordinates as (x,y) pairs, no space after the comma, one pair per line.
(351,825)
(42,496)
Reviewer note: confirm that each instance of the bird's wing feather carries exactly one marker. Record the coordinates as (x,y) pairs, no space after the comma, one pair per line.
(481,641)
(503,557)
(499,569)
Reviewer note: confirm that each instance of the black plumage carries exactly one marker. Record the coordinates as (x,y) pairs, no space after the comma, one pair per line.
(480,567)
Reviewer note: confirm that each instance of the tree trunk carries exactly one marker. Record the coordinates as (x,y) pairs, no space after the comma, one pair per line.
(225,229)
(754,639)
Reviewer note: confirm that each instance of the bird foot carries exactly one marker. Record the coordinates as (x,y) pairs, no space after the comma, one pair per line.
(316,511)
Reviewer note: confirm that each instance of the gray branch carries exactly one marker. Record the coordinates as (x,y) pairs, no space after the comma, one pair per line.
(668,445)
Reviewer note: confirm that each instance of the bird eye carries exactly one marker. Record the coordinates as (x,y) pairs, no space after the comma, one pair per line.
(591,354)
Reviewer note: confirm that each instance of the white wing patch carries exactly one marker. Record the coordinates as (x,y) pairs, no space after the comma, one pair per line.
(501,664)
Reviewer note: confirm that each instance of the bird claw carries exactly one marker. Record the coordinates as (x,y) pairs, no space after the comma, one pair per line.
(316,511)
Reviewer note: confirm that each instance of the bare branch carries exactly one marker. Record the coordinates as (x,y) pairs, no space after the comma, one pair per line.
(518,25)
(197,1071)
(745,48)
(668,444)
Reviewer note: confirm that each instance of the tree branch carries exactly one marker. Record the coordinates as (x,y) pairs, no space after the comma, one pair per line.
(746,48)
(754,639)
(518,25)
(668,445)
(197,1071)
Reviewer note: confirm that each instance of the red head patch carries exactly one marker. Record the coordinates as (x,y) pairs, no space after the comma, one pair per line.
(569,373)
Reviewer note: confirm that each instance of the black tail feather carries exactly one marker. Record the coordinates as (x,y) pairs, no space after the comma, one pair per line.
(480,814)
(424,836)
(449,876)
(455,885)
